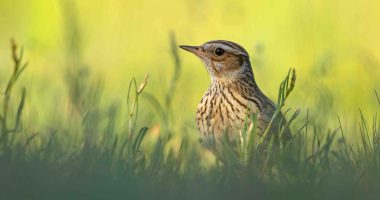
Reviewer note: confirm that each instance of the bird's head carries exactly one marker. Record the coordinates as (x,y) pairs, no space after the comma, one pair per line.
(224,60)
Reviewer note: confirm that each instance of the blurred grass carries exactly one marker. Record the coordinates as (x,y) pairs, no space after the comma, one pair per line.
(329,43)
(77,125)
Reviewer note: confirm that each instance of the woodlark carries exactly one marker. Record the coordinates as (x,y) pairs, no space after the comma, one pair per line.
(233,95)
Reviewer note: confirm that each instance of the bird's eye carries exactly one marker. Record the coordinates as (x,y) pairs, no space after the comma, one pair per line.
(219,51)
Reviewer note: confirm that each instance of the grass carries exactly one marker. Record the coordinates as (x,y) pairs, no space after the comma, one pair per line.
(99,159)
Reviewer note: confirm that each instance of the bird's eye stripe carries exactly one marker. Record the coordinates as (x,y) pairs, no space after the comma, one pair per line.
(229,44)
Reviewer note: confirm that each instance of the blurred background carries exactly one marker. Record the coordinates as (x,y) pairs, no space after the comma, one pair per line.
(333,45)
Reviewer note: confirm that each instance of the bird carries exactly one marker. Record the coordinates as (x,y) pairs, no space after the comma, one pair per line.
(233,95)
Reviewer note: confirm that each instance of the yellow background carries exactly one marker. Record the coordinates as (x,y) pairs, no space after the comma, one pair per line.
(334,46)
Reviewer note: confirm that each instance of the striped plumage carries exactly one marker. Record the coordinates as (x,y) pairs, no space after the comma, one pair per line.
(233,94)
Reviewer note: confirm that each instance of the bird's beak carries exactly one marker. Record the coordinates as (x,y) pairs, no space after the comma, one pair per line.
(197,50)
